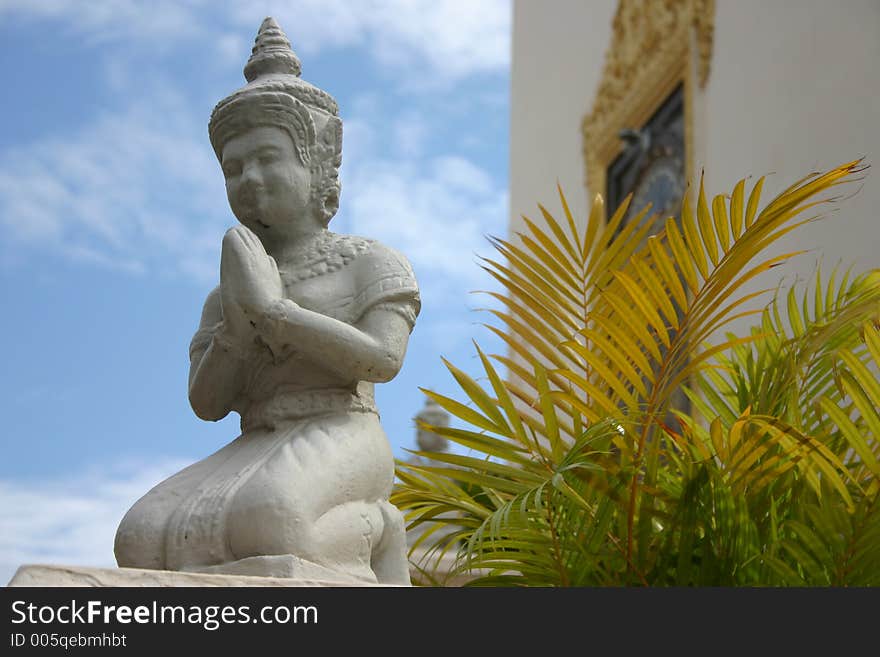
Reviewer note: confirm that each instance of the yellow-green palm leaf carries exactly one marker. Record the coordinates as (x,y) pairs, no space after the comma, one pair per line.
(575,473)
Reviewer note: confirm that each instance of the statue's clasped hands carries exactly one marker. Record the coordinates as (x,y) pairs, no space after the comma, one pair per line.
(249,282)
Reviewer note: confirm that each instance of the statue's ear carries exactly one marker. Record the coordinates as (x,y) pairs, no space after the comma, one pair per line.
(329,155)
(330,201)
(331,140)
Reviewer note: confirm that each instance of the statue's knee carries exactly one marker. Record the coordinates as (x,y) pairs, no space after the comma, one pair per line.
(356,521)
(139,541)
(270,534)
(389,560)
(393,520)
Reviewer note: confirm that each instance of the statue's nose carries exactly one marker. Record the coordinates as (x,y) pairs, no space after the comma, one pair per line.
(251,175)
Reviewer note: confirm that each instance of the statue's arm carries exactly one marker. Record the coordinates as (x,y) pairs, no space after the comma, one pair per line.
(215,364)
(372,349)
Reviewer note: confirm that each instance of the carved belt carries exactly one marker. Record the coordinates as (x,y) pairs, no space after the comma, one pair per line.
(286,405)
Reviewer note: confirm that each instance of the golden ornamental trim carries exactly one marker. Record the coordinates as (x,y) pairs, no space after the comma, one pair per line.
(654,47)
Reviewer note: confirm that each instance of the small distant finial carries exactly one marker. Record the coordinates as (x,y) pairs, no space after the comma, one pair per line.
(432,414)
(271,53)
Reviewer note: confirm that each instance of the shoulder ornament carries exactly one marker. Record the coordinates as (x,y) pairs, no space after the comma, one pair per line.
(328,253)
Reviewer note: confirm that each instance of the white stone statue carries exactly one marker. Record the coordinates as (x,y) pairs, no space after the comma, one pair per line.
(302,325)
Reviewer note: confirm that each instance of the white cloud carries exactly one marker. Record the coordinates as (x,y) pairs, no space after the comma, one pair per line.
(409,132)
(71,521)
(460,174)
(429,41)
(102,21)
(140,192)
(437,214)
(456,37)
(136,191)
(433,41)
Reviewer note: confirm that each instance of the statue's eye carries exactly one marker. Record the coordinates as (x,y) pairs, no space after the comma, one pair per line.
(267,157)
(231,169)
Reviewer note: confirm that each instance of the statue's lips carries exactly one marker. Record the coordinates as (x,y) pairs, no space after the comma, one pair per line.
(254,219)
(253,214)
(255,203)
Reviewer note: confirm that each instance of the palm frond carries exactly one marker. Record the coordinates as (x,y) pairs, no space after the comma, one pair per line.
(576,473)
(792,361)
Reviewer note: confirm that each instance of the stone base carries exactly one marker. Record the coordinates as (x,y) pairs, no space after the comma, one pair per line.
(279,566)
(80,576)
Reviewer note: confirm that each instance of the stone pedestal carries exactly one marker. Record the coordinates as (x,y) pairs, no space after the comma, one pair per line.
(81,576)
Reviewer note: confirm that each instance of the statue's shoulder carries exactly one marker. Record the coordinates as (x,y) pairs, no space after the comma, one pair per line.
(340,249)
(358,256)
(374,274)
(363,257)
(385,277)
(382,261)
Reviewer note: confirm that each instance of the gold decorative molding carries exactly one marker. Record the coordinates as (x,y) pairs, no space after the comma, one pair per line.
(655,46)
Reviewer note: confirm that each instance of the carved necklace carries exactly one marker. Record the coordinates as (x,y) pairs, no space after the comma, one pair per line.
(325,253)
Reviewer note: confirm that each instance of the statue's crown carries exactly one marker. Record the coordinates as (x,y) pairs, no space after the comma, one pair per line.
(273,82)
(271,53)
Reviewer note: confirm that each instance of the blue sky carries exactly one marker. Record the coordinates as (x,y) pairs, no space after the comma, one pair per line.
(112,209)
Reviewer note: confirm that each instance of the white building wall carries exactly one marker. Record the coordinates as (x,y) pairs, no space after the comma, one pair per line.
(794,87)
(558,50)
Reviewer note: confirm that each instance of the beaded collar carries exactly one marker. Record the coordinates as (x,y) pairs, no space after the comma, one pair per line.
(325,253)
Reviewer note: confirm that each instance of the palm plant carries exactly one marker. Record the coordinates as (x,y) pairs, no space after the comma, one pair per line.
(582,470)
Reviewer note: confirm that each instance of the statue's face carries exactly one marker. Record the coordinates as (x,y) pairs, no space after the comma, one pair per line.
(268,188)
